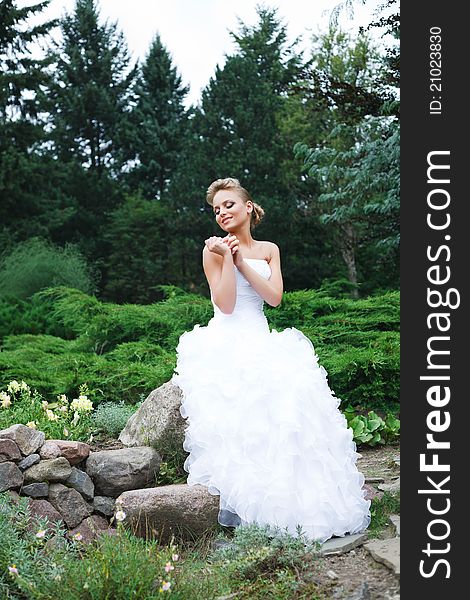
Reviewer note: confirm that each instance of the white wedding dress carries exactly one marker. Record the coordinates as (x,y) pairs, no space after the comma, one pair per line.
(264,429)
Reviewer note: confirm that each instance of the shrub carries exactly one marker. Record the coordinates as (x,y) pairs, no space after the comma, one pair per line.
(112,417)
(36,264)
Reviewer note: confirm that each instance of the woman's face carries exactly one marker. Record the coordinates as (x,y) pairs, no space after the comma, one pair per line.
(230,210)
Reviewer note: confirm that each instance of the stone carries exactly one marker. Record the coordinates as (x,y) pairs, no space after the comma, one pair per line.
(395,521)
(27,439)
(9,450)
(89,529)
(81,481)
(69,503)
(29,461)
(49,450)
(186,511)
(10,476)
(386,552)
(74,452)
(374,479)
(104,505)
(332,574)
(340,545)
(14,496)
(52,470)
(36,490)
(361,593)
(158,422)
(391,488)
(371,492)
(116,471)
(42,509)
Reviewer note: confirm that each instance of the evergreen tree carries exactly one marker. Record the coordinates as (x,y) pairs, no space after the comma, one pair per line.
(89,102)
(159,120)
(237,131)
(23,210)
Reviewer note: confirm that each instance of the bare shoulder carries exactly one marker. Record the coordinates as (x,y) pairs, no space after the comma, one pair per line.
(270,249)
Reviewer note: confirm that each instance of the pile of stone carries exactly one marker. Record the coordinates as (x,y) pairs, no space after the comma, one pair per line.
(67,482)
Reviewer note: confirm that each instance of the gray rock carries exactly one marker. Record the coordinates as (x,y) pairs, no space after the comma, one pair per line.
(27,439)
(158,422)
(49,450)
(29,461)
(391,488)
(361,593)
(386,552)
(340,545)
(36,490)
(116,471)
(10,476)
(52,470)
(395,520)
(69,503)
(81,481)
(104,505)
(9,451)
(158,513)
(374,479)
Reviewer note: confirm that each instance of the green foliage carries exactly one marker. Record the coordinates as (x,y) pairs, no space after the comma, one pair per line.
(159,123)
(38,561)
(88,100)
(60,419)
(371,429)
(36,264)
(115,567)
(112,417)
(137,259)
(380,510)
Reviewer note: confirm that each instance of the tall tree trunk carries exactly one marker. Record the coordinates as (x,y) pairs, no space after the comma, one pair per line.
(348,245)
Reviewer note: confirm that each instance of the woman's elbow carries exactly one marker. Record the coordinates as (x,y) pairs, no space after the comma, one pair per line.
(275,301)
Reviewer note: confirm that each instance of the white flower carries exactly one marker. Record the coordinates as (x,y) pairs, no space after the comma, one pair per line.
(120,515)
(41,533)
(78,537)
(5,400)
(62,398)
(82,404)
(13,386)
(51,415)
(76,418)
(31,425)
(24,386)
(63,408)
(44,404)
(66,432)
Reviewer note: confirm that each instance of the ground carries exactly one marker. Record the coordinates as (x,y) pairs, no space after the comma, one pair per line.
(358,575)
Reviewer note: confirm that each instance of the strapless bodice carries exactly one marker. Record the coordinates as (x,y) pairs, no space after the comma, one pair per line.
(249,304)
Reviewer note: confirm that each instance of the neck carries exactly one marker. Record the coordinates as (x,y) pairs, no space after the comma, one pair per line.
(245,237)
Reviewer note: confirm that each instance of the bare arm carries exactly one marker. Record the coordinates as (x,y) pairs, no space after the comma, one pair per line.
(220,274)
(270,290)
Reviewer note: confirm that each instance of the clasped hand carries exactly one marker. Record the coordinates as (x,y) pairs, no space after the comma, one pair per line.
(223,246)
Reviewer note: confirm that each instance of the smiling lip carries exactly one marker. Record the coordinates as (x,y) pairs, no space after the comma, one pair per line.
(226,220)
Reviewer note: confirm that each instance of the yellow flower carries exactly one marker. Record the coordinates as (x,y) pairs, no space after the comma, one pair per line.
(51,415)
(31,424)
(5,400)
(44,404)
(24,386)
(82,404)
(66,432)
(13,386)
(13,570)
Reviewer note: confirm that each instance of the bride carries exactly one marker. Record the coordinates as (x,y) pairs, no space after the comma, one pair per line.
(264,429)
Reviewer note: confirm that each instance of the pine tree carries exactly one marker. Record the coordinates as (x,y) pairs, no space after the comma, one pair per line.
(89,101)
(159,121)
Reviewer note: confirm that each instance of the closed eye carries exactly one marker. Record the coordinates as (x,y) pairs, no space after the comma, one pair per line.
(228,205)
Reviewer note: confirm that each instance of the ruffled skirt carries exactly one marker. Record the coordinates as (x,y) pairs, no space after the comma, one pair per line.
(265,432)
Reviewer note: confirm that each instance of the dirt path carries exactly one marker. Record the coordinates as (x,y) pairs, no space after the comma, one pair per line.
(356,575)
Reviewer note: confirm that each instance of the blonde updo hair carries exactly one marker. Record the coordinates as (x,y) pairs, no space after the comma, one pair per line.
(231,183)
